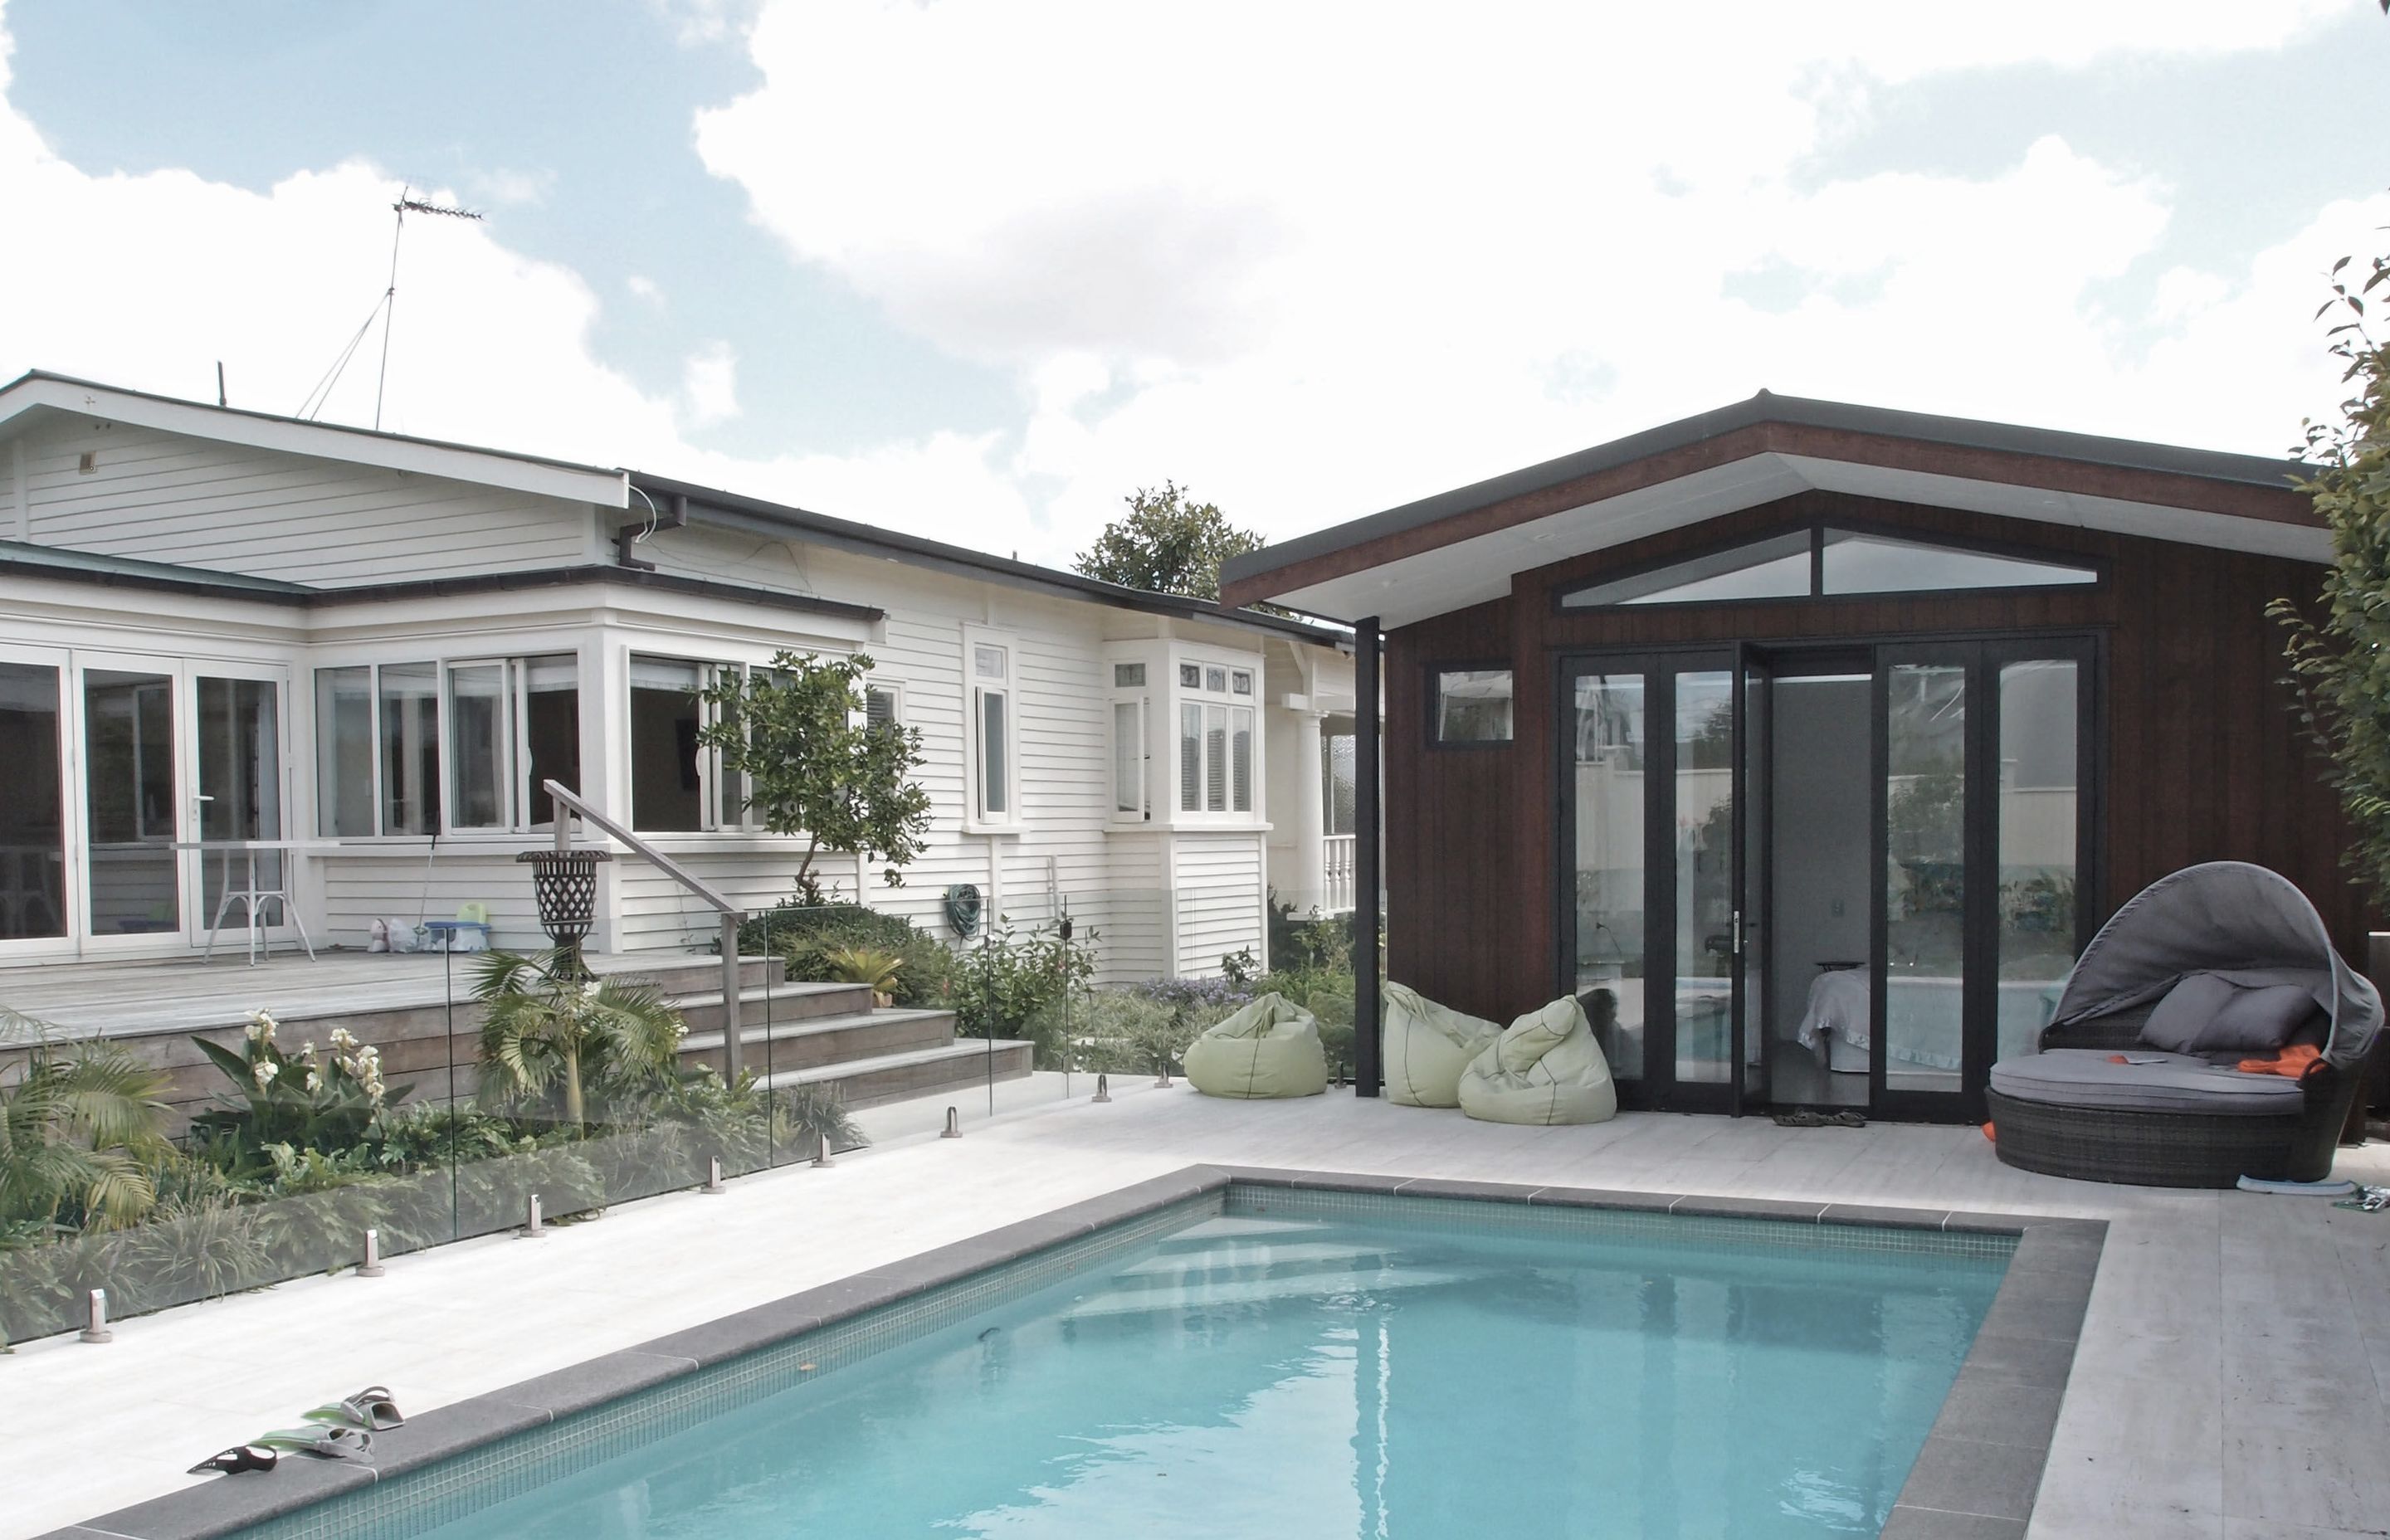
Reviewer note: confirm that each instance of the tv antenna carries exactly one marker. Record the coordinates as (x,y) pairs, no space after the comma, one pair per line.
(386,307)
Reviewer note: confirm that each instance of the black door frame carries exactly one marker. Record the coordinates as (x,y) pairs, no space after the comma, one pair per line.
(1982,655)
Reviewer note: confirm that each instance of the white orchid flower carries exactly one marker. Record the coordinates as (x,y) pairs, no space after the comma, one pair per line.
(264,1070)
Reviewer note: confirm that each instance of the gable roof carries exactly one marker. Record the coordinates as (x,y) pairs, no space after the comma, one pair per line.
(781,521)
(37,394)
(1462,547)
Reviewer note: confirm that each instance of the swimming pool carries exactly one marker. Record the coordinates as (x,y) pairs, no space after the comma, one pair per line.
(1275,1359)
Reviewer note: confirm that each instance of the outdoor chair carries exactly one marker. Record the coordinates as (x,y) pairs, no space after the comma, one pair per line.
(2138,1076)
(1546,1068)
(1269,1047)
(1428,1047)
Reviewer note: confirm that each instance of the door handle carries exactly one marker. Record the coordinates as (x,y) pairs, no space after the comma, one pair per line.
(1738,933)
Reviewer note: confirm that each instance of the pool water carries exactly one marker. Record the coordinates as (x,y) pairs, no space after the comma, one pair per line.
(1269,1374)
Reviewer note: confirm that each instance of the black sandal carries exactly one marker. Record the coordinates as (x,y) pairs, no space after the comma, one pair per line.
(239,1457)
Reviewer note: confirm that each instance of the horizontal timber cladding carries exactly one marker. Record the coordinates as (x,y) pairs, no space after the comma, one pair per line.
(2203,758)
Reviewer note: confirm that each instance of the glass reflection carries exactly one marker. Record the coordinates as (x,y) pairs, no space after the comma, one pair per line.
(2039,793)
(1925,816)
(1607,786)
(1705,898)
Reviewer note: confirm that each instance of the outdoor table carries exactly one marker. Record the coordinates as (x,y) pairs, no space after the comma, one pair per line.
(254,895)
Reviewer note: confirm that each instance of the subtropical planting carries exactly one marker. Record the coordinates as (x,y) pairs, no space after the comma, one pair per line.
(581,1098)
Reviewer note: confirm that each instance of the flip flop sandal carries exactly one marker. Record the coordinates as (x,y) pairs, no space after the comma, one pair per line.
(370,1410)
(325,1442)
(239,1457)
(1804,1118)
(1849,1119)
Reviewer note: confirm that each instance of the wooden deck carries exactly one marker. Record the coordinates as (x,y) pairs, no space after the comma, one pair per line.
(174,995)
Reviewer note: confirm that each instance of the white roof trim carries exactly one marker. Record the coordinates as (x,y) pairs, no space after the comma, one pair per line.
(490,467)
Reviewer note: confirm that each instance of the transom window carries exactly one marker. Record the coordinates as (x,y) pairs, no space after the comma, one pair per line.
(1828,561)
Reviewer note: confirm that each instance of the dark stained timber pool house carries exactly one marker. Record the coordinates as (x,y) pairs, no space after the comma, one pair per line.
(1809,743)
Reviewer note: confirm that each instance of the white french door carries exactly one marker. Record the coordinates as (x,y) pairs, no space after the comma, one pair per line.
(163,753)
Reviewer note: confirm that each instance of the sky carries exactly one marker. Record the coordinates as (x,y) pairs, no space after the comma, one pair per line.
(979,271)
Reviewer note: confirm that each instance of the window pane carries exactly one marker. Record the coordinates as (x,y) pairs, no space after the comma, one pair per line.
(1128,676)
(1190,676)
(1705,897)
(410,749)
(1215,759)
(1190,759)
(1337,765)
(1879,564)
(994,768)
(129,783)
(988,661)
(1473,706)
(1925,816)
(32,810)
(551,731)
(477,723)
(1240,760)
(1129,757)
(344,753)
(240,788)
(1240,683)
(2040,774)
(879,708)
(1216,680)
(1608,789)
(667,793)
(1773,569)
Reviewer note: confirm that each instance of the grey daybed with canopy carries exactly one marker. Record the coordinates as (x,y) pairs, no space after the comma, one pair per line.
(2137,1080)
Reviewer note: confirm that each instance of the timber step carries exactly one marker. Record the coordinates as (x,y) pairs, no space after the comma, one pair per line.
(808,1042)
(923,1071)
(700,1009)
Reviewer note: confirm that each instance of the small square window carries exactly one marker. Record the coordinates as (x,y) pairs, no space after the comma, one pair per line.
(1190,676)
(988,661)
(1215,679)
(1473,706)
(1240,683)
(1128,676)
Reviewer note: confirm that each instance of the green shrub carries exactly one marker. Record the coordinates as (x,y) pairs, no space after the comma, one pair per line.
(308,1099)
(1010,987)
(1128,1033)
(804,934)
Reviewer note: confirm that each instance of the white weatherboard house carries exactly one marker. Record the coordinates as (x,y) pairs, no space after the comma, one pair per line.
(220,626)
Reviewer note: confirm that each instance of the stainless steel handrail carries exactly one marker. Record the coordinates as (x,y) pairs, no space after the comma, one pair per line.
(731,913)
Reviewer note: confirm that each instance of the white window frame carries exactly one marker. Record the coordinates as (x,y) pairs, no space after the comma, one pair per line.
(513,745)
(977,817)
(1234,712)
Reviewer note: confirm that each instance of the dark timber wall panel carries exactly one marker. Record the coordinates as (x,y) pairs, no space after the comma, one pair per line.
(2204,759)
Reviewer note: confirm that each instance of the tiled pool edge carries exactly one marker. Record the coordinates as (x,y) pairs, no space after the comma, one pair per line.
(1980,1482)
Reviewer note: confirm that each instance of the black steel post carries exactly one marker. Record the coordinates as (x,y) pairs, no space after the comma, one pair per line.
(1367,910)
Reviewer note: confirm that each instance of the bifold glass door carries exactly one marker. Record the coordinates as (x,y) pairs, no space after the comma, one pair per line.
(237,745)
(1937,827)
(1655,793)
(1984,836)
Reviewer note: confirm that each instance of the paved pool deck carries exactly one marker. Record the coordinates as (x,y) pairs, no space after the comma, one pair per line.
(2233,1378)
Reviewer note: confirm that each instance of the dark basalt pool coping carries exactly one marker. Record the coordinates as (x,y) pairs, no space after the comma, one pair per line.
(1976,1476)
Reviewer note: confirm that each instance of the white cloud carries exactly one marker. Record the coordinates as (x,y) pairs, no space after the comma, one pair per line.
(505,189)
(1388,253)
(710,385)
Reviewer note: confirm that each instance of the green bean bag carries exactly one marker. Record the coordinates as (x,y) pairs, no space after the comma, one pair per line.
(1428,1045)
(1270,1047)
(1545,1068)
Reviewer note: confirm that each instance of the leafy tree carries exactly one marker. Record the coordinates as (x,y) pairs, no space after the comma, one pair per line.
(1167,545)
(798,733)
(2340,650)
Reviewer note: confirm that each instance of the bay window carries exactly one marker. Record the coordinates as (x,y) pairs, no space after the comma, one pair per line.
(422,749)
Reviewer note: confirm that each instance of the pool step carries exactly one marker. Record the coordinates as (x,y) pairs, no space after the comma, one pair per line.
(1226,1294)
(956,1066)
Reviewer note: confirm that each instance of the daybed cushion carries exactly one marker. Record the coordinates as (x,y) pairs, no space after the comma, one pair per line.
(1428,1045)
(2175,1083)
(2210,1013)
(1546,1068)
(1269,1047)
